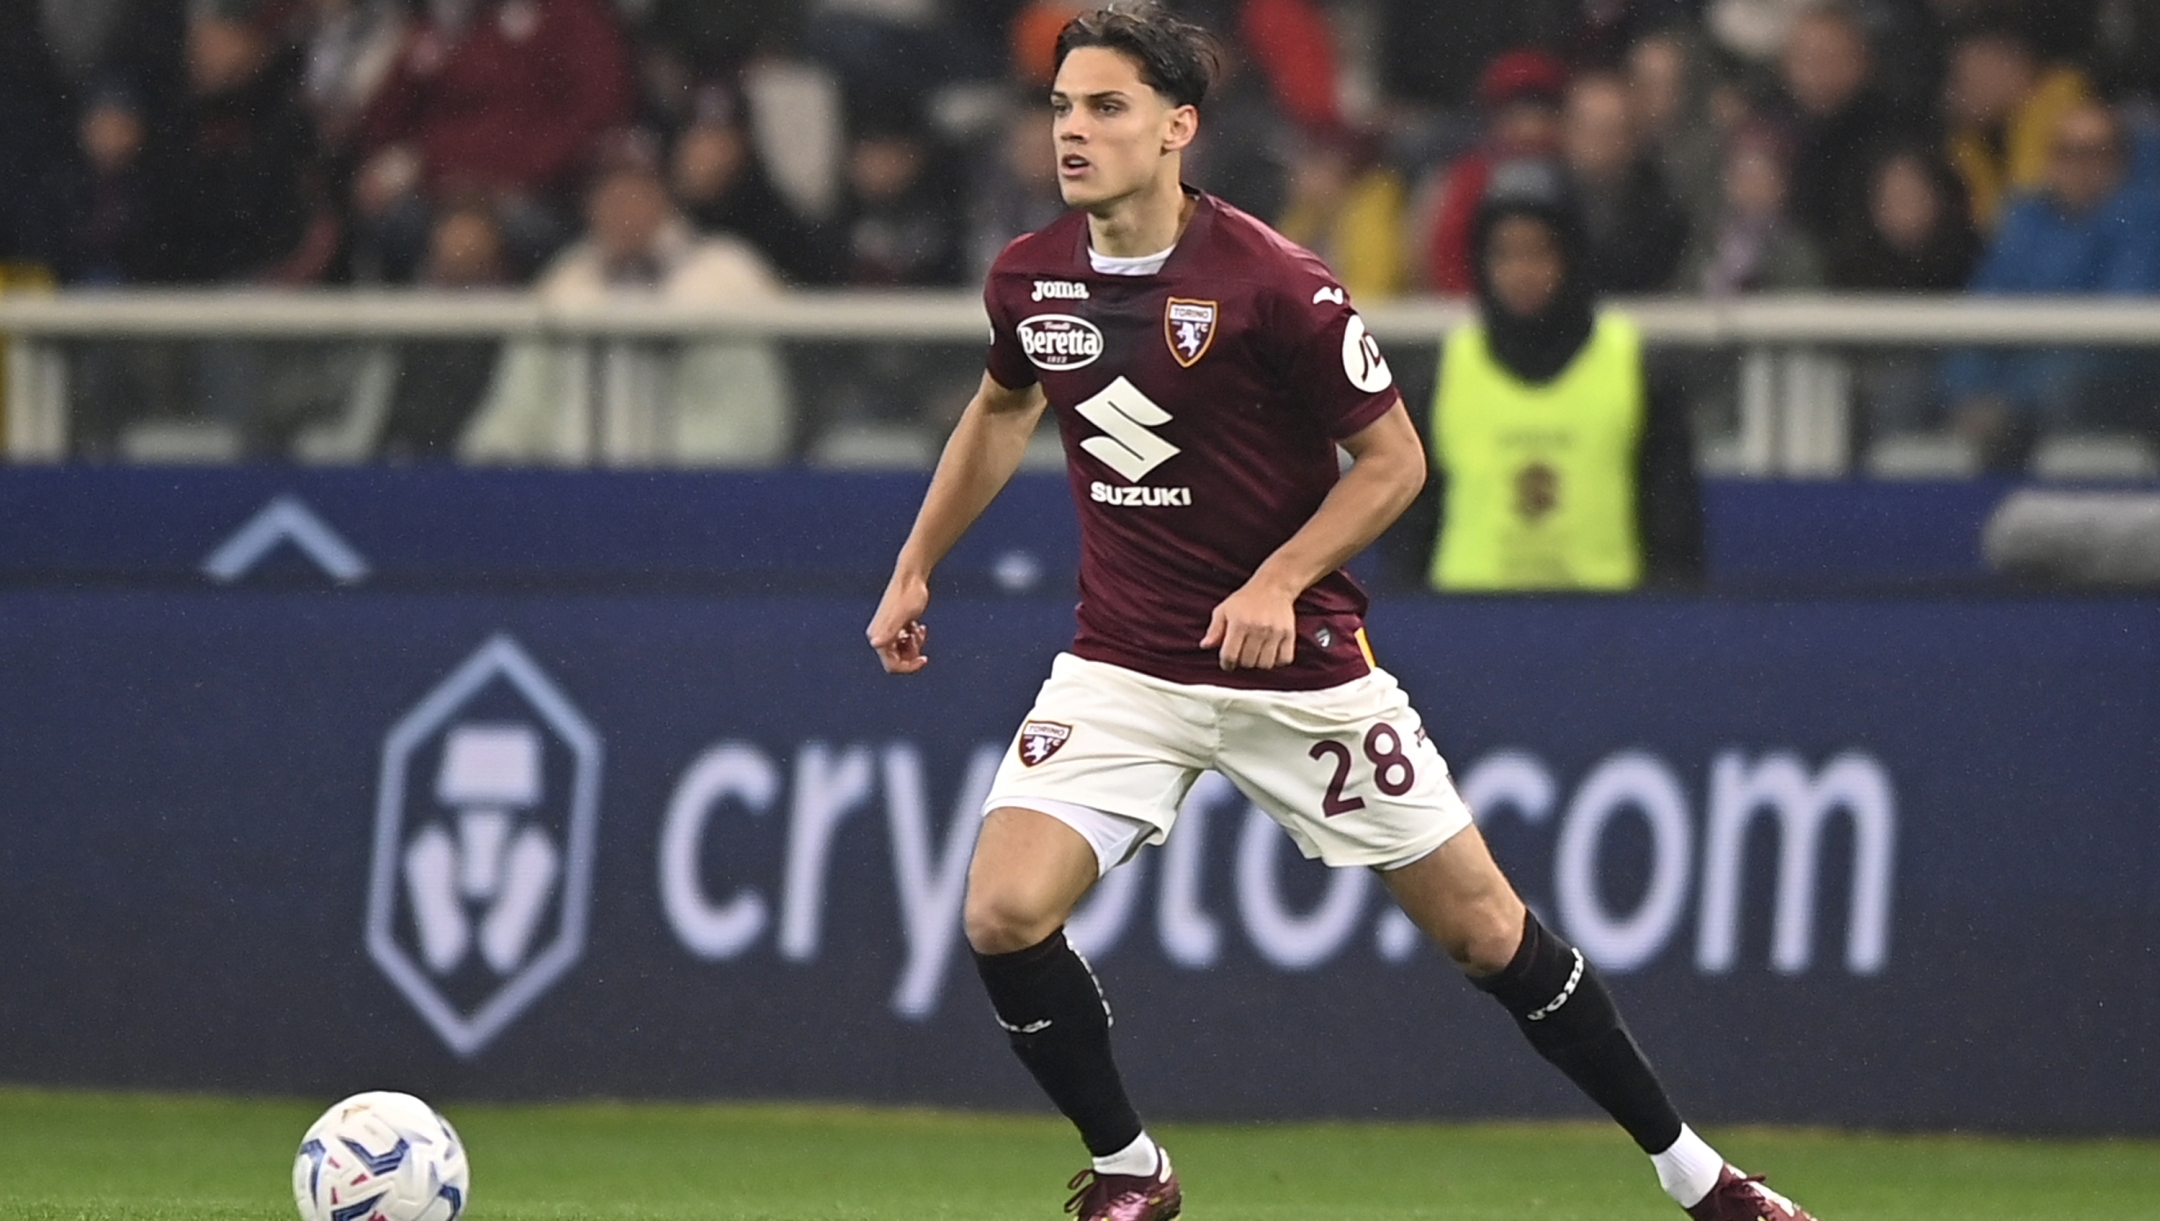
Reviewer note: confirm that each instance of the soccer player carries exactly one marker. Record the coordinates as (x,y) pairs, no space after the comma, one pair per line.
(1204,371)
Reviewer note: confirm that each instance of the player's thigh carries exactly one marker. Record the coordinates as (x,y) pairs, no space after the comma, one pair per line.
(1030,870)
(1349,772)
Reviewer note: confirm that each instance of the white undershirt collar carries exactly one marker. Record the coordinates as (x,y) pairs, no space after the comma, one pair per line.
(1138,265)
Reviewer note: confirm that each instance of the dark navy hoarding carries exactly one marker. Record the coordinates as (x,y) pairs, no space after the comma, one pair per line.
(1892,862)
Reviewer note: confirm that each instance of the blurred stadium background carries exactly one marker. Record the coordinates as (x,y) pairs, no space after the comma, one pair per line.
(452,447)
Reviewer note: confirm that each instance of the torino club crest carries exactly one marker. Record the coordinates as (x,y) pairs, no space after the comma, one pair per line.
(1041,739)
(1190,328)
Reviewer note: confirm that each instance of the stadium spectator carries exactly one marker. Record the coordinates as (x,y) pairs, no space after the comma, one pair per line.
(74,36)
(1015,187)
(1292,45)
(1917,234)
(2002,104)
(1603,31)
(1673,95)
(721,184)
(1033,37)
(1842,118)
(1244,149)
(33,133)
(440,383)
(2093,227)
(235,186)
(1754,246)
(1633,230)
(712,39)
(231,194)
(351,48)
(901,226)
(501,96)
(696,402)
(1346,205)
(97,210)
(898,48)
(1520,95)
(1441,55)
(1560,462)
(1753,31)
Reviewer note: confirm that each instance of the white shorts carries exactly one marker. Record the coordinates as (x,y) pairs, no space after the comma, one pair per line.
(1348,771)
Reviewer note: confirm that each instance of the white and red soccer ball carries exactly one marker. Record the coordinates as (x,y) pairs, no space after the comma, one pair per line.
(381,1156)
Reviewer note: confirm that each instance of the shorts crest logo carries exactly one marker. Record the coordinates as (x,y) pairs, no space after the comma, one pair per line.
(1041,739)
(1189,326)
(484,828)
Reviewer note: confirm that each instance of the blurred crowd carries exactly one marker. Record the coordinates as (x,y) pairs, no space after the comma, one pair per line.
(718,149)
(1718,146)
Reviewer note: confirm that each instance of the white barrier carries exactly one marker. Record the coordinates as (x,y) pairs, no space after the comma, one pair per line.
(1793,405)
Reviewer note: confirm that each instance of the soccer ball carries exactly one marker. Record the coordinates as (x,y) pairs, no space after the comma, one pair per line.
(381,1156)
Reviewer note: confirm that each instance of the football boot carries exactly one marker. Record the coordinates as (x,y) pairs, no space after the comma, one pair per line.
(1126,1197)
(1745,1197)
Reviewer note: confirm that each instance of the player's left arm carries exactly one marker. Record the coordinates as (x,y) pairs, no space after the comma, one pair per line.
(1256,627)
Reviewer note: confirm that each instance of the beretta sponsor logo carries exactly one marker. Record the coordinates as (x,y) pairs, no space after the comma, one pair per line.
(1060,341)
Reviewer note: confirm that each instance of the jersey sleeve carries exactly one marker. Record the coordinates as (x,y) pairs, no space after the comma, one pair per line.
(1334,361)
(1007,362)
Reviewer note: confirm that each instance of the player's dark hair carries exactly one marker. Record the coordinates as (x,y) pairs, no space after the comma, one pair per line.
(1177,59)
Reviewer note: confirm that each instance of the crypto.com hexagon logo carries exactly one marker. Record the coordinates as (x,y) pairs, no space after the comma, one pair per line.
(484,827)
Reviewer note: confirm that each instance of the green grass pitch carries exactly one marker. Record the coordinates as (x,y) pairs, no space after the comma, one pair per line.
(70,1156)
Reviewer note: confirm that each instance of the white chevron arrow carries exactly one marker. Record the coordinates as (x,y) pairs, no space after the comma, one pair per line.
(285,519)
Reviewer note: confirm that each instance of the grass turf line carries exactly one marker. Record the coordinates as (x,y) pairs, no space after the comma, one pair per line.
(73,1156)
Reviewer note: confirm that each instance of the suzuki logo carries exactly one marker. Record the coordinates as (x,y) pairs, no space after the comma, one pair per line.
(1127,416)
(484,829)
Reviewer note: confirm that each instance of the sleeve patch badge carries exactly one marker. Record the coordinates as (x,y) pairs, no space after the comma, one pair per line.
(1361,359)
(1189,326)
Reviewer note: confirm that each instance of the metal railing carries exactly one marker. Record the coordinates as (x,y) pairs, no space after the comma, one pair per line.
(1793,402)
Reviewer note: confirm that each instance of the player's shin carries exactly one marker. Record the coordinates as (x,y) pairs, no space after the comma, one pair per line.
(1563,1008)
(1053,1010)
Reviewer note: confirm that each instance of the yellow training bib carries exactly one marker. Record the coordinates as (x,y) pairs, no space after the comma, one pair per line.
(1540,478)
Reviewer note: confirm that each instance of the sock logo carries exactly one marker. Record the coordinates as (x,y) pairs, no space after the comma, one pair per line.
(1030,1028)
(1574,978)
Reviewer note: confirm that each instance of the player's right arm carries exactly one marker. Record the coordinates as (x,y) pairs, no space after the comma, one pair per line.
(979,459)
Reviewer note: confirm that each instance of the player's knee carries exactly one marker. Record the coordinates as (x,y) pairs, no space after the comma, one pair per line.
(1002,919)
(1487,935)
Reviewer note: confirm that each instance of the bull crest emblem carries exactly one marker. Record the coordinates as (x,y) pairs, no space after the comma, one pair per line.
(1189,326)
(1041,739)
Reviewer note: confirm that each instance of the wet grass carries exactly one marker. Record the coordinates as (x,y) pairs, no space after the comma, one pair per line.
(70,1156)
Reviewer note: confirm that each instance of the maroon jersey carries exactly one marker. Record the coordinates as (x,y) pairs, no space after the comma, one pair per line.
(1199,407)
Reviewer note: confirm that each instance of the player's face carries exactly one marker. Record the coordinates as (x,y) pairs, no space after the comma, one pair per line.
(1114,133)
(1524,265)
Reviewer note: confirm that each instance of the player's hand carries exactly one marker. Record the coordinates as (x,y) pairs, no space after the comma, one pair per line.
(1254,628)
(897,631)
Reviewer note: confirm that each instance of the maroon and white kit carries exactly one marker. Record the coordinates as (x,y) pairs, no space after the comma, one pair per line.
(1200,406)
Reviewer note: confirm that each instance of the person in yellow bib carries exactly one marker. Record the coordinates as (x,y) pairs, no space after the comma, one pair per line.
(1560,466)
